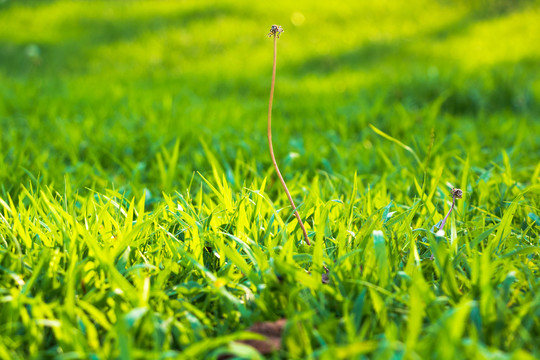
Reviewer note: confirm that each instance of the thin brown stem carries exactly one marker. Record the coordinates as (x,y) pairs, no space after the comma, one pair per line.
(272,149)
(448,214)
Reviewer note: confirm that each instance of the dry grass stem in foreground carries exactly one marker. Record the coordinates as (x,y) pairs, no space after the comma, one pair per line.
(275,30)
(456,194)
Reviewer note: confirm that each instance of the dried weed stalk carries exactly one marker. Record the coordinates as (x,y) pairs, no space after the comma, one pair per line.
(275,31)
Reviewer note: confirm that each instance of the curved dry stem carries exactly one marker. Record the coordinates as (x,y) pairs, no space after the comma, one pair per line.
(272,149)
(448,213)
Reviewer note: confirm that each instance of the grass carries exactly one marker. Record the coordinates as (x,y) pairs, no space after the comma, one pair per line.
(140,216)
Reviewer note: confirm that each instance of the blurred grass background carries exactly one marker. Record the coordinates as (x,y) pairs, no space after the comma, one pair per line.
(109,108)
(101,91)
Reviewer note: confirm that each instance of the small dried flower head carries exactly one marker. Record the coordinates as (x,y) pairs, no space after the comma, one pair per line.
(457,193)
(275,30)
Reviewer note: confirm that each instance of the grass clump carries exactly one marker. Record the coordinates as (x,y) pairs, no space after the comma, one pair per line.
(101,275)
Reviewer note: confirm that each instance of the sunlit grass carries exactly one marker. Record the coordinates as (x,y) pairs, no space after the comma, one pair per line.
(140,216)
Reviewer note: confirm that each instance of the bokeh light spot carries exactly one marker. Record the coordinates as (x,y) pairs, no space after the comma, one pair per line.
(297,18)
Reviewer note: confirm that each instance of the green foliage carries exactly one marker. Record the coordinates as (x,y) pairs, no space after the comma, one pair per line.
(140,216)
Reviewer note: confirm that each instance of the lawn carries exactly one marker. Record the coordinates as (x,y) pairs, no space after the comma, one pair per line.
(141,216)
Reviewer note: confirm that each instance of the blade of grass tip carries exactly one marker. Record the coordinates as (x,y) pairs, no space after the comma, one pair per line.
(464,177)
(505,227)
(417,305)
(179,252)
(379,246)
(396,141)
(318,251)
(195,242)
(425,197)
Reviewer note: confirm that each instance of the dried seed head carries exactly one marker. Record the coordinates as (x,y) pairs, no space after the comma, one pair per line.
(275,30)
(457,193)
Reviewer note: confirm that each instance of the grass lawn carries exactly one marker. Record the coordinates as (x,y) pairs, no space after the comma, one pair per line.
(141,216)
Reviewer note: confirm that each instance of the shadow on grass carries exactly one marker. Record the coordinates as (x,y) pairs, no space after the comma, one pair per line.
(23,59)
(374,53)
(504,86)
(508,88)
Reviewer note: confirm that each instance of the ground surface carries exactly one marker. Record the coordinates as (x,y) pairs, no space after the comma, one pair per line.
(140,216)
